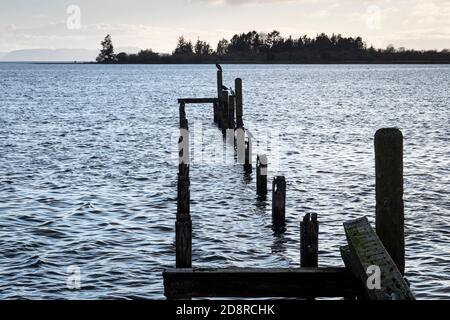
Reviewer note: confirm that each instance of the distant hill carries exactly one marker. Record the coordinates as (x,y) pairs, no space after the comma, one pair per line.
(57,55)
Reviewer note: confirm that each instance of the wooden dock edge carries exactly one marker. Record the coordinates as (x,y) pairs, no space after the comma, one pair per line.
(256,283)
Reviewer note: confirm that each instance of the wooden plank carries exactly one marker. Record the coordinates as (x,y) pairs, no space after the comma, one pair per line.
(366,250)
(254,282)
(198,100)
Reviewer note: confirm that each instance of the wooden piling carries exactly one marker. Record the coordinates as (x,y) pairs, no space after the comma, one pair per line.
(224,112)
(219,97)
(231,108)
(183,243)
(240,144)
(215,107)
(389,193)
(239,106)
(248,156)
(183,224)
(182,114)
(219,83)
(309,241)
(279,203)
(261,176)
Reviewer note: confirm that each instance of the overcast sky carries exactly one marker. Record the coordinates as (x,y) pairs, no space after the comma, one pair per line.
(156,24)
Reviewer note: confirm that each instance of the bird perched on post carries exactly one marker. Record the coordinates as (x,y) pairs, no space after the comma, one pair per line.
(224,88)
(231,92)
(219,67)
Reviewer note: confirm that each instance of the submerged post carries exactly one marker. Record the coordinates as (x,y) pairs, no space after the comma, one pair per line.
(389,193)
(261,176)
(248,156)
(239,111)
(309,241)
(279,203)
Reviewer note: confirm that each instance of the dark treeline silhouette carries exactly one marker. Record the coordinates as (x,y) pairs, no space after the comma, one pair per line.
(254,47)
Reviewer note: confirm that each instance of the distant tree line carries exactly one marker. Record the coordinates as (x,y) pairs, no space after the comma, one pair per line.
(254,47)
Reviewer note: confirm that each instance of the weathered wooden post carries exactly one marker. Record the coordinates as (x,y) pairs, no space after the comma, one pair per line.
(239,106)
(261,176)
(182,113)
(219,97)
(309,241)
(231,104)
(183,224)
(248,156)
(224,112)
(240,144)
(183,241)
(215,111)
(389,193)
(279,203)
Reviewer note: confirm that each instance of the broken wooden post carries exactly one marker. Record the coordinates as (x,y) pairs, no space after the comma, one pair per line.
(279,203)
(368,259)
(248,156)
(309,241)
(261,176)
(389,193)
(231,104)
(239,106)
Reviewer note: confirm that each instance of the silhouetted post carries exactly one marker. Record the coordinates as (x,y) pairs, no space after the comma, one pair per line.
(309,241)
(219,97)
(261,175)
(248,156)
(239,106)
(389,193)
(231,103)
(183,242)
(182,113)
(183,225)
(215,111)
(279,203)
(219,84)
(224,111)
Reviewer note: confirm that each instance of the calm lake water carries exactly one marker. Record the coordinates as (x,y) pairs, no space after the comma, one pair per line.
(87,178)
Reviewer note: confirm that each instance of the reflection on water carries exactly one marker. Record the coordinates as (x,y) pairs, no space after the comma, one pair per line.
(86,177)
